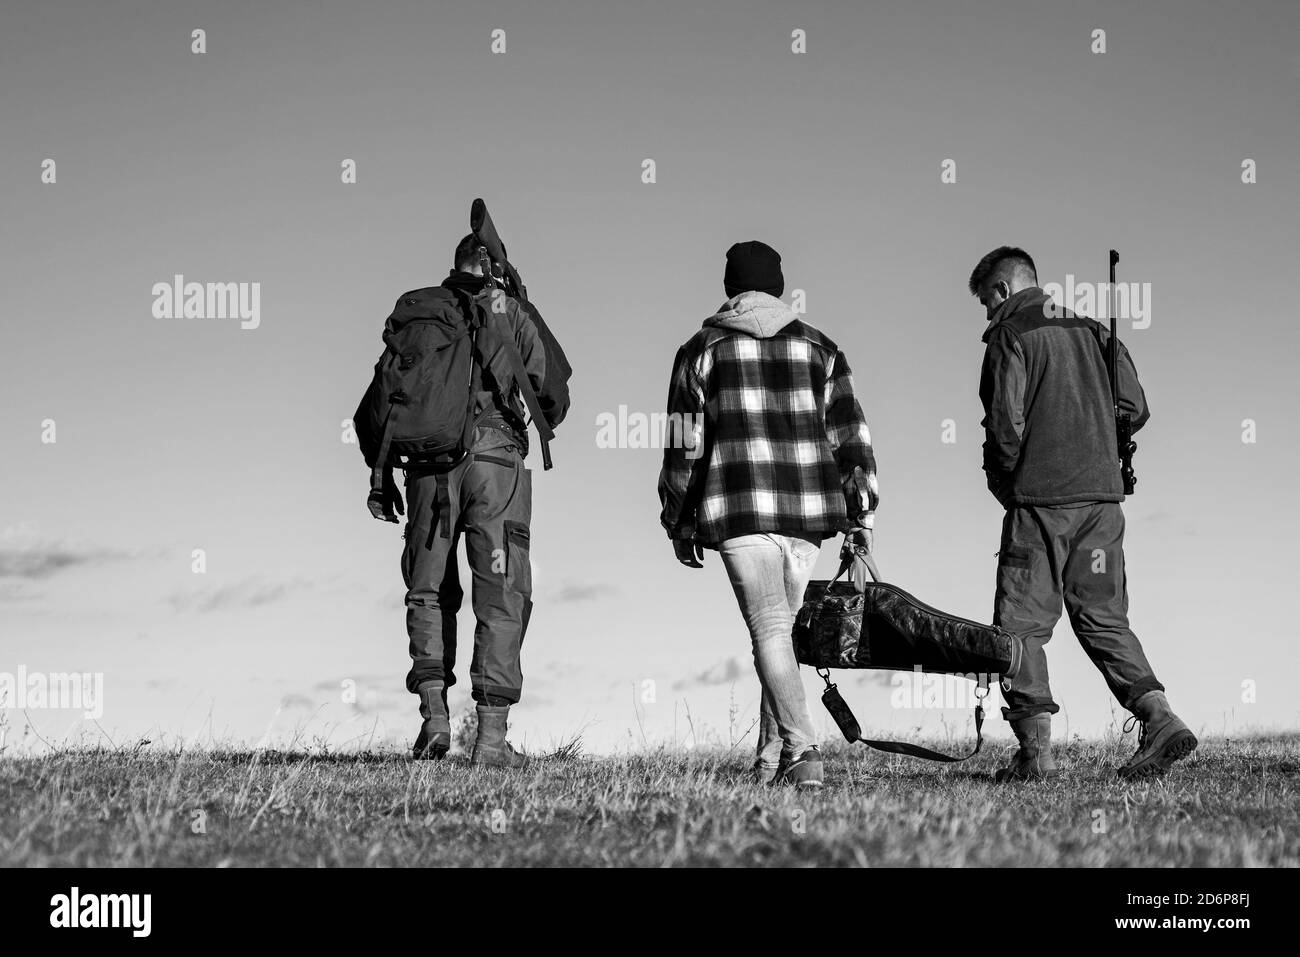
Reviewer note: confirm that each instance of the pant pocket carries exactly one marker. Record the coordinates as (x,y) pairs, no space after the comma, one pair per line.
(518,571)
(1015,566)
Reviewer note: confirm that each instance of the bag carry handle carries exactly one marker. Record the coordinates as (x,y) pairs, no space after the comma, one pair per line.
(848,724)
(862,553)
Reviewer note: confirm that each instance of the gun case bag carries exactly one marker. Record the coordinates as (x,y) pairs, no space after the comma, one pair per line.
(883,626)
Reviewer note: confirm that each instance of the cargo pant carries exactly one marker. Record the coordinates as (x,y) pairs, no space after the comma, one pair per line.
(1073,554)
(487,500)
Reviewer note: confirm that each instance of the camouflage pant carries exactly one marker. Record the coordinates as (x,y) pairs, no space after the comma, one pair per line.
(1073,554)
(487,500)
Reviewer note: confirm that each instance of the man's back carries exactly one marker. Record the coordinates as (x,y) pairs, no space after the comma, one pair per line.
(780,421)
(1050,426)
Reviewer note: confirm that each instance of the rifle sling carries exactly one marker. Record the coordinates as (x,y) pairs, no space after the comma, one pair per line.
(517,368)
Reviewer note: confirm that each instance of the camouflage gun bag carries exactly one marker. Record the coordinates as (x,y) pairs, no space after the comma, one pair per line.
(883,626)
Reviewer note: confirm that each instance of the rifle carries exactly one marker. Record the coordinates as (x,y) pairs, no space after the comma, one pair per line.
(492,252)
(499,272)
(1123,421)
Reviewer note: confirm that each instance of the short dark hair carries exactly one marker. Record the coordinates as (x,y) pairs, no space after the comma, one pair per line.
(466,252)
(1003,263)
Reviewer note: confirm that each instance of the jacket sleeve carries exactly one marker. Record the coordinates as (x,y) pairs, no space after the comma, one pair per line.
(1002,391)
(850,443)
(553,393)
(533,352)
(683,447)
(1131,397)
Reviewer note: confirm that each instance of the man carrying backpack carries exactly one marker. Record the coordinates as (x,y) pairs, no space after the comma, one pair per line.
(773,456)
(456,355)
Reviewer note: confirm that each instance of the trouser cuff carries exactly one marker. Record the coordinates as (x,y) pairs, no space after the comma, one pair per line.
(1139,688)
(1020,712)
(496,696)
(429,670)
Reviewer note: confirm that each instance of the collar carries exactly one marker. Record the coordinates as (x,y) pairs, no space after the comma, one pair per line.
(464,280)
(1011,305)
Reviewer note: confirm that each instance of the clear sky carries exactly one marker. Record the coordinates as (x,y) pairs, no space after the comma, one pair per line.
(181,434)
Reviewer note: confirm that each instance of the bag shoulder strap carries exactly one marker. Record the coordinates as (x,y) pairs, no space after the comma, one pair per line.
(848,724)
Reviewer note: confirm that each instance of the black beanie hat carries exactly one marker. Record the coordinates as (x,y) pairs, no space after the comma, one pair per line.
(753,265)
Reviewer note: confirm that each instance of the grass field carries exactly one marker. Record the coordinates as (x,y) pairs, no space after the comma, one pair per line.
(1234,803)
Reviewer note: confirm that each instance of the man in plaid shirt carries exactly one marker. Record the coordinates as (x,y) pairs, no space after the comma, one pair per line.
(768,455)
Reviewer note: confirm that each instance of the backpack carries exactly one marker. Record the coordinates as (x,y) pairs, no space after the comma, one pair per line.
(420,401)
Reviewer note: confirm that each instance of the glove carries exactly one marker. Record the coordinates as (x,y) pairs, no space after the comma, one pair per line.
(386,504)
(688,553)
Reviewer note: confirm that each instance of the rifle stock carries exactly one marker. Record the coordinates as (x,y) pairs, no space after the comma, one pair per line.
(496,266)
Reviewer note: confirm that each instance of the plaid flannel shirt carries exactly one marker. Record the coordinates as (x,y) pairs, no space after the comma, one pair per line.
(765,435)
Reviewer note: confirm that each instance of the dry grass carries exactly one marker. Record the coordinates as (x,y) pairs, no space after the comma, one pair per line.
(1234,803)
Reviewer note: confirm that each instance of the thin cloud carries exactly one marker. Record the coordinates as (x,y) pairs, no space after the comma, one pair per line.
(592,592)
(36,562)
(16,592)
(253,592)
(724,673)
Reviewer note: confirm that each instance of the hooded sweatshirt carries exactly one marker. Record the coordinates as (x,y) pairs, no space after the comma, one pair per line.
(765,432)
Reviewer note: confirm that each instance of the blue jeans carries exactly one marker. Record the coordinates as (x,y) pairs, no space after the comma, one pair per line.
(769,573)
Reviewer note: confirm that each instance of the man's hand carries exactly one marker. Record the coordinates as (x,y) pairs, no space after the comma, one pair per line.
(857,538)
(386,504)
(688,553)
(858,543)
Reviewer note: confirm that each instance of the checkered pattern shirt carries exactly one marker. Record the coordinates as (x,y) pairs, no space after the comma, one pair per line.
(765,435)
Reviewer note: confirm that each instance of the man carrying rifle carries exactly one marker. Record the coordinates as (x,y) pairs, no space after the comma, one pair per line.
(1051,459)
(480,491)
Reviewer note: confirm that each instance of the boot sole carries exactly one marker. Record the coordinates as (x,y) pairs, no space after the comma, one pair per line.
(435,750)
(1003,776)
(479,761)
(431,753)
(1178,747)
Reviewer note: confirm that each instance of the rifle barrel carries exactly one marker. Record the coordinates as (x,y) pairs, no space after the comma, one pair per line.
(1112,358)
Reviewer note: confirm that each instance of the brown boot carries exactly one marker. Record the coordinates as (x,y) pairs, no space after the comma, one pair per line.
(1163,740)
(1033,761)
(434,740)
(491,750)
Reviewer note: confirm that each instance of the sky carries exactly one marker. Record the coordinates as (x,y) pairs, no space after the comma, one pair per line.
(173,435)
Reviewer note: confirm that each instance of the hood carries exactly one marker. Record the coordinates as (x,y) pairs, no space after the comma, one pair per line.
(756,314)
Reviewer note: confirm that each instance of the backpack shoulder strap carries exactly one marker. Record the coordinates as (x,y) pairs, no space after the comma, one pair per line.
(474,324)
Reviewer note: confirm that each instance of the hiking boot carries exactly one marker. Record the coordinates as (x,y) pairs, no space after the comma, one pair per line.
(434,740)
(491,750)
(804,771)
(1163,738)
(1033,760)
